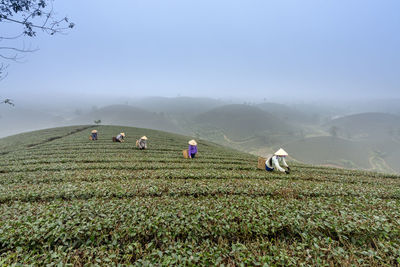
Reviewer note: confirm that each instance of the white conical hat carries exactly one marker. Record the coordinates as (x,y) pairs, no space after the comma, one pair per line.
(123,134)
(143,137)
(193,143)
(94,131)
(281,152)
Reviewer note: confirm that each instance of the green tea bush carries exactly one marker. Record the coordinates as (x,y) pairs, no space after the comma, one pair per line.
(70,201)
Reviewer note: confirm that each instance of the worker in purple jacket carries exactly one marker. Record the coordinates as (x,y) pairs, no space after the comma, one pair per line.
(192,151)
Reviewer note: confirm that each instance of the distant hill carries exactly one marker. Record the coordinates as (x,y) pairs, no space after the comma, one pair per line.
(129,116)
(178,105)
(389,105)
(366,140)
(239,122)
(17,119)
(372,126)
(289,114)
(330,151)
(393,159)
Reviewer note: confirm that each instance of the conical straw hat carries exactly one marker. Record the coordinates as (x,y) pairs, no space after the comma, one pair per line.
(94,131)
(143,137)
(281,152)
(123,134)
(193,143)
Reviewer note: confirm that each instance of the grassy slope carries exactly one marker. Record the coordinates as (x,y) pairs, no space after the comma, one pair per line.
(74,201)
(18,142)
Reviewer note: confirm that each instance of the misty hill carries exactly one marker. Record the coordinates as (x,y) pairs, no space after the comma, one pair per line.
(129,116)
(379,155)
(241,121)
(393,159)
(289,114)
(359,141)
(18,119)
(389,105)
(367,126)
(178,105)
(327,150)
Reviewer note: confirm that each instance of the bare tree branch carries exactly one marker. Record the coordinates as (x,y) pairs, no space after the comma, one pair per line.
(32,15)
(52,29)
(18,49)
(3,67)
(7,101)
(11,38)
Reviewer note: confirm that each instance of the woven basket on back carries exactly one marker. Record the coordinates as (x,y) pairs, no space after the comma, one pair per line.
(261,163)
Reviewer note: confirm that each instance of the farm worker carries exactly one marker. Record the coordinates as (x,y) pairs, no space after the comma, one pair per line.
(120,137)
(192,151)
(273,162)
(94,135)
(142,142)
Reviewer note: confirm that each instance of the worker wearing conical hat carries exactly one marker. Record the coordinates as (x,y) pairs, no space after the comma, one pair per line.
(142,143)
(192,150)
(275,160)
(94,135)
(120,137)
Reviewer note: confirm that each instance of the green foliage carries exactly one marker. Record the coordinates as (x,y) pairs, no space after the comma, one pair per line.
(66,200)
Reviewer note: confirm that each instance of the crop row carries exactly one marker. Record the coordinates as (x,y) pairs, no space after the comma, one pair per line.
(118,158)
(114,188)
(284,231)
(58,175)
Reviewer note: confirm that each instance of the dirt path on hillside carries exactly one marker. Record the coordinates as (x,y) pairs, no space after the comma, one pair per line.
(226,138)
(379,164)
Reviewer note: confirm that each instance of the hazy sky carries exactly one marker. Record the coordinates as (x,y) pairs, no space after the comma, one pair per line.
(255,48)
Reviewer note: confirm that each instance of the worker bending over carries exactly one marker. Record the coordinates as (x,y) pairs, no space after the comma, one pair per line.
(273,162)
(142,142)
(94,135)
(192,150)
(120,137)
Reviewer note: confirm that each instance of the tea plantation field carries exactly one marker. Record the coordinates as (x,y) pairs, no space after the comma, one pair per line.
(67,200)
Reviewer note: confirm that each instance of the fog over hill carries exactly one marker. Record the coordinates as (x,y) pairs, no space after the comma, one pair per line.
(129,116)
(328,150)
(241,121)
(371,125)
(18,119)
(177,105)
(292,114)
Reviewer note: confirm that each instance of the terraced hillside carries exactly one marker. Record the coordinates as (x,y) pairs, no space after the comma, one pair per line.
(65,199)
